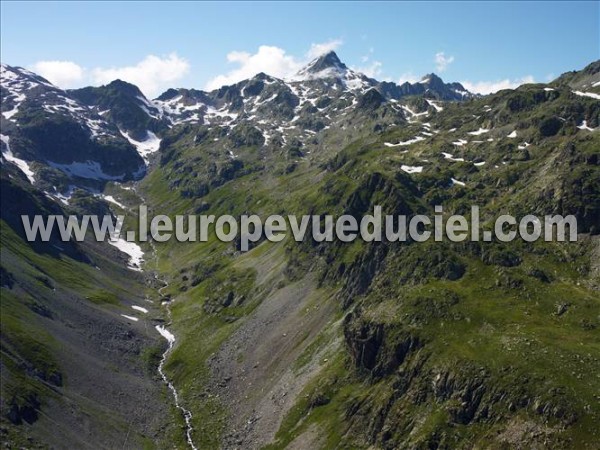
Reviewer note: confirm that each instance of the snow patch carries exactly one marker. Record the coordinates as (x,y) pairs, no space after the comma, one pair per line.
(587,94)
(136,255)
(139,308)
(413,115)
(435,105)
(111,199)
(513,134)
(478,132)
(584,126)
(20,163)
(149,145)
(403,143)
(412,169)
(63,198)
(135,319)
(451,158)
(170,337)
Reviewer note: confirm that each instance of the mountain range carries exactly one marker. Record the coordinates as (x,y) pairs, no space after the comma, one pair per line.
(300,345)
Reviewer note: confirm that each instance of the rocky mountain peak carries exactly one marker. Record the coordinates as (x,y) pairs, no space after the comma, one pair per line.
(432,80)
(328,64)
(329,60)
(125,88)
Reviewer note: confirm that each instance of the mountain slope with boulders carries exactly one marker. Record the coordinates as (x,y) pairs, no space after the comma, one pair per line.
(310,344)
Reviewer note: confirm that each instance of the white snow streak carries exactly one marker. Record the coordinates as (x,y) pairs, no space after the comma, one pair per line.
(20,163)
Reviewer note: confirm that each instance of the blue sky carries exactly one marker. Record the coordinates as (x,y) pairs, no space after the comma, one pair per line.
(159,45)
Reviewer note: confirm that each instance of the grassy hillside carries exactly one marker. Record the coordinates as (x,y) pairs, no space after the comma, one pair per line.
(75,372)
(435,345)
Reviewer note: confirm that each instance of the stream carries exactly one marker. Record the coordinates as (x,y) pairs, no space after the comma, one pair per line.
(170,337)
(187,415)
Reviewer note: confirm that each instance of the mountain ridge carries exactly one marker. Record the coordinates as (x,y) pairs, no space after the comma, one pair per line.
(327,344)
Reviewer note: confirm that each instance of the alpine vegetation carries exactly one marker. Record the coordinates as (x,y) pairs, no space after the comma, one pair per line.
(319,249)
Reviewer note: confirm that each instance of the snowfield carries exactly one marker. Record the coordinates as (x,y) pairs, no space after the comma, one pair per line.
(136,255)
(587,94)
(20,163)
(146,147)
(412,169)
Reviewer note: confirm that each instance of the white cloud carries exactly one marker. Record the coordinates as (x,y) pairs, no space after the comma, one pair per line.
(317,50)
(489,87)
(151,75)
(65,74)
(373,70)
(269,59)
(442,61)
(408,77)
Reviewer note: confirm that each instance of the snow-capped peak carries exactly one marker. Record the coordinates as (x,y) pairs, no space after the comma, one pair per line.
(329,65)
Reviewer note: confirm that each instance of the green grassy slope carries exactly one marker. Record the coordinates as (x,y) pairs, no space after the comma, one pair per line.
(443,345)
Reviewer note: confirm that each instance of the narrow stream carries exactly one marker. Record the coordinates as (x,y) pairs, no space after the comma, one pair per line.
(170,337)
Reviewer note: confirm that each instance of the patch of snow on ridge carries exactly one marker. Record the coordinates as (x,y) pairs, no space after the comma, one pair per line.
(20,163)
(139,308)
(147,106)
(523,146)
(412,113)
(478,132)
(18,99)
(456,182)
(111,199)
(460,142)
(412,169)
(14,85)
(513,134)
(136,255)
(435,105)
(64,198)
(410,141)
(150,145)
(584,126)
(135,319)
(451,158)
(587,94)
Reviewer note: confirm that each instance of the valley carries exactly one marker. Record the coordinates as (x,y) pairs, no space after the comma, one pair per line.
(301,344)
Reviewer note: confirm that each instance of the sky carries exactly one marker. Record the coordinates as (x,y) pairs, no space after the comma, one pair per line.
(156,45)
